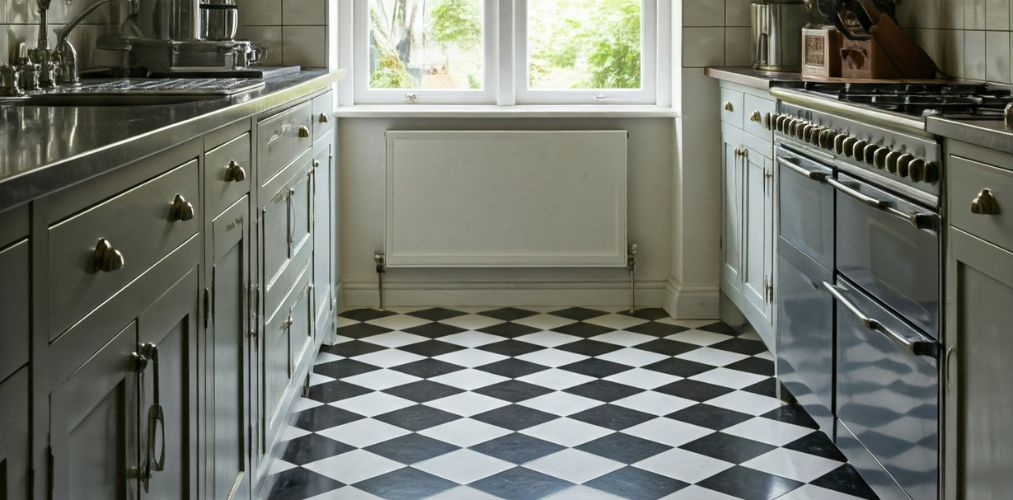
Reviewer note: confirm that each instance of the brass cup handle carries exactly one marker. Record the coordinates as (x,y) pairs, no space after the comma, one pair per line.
(985,203)
(235,172)
(181,210)
(755,117)
(304,131)
(105,258)
(324,118)
(729,106)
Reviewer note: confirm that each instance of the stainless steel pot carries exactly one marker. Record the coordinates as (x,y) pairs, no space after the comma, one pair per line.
(777,34)
(219,22)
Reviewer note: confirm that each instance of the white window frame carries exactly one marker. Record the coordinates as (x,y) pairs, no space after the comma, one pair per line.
(646,94)
(490,66)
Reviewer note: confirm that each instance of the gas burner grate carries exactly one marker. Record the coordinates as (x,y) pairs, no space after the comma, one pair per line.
(172,86)
(920,99)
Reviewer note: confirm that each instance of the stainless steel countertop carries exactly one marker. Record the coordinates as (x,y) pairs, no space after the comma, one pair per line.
(47,148)
(750,77)
(991,134)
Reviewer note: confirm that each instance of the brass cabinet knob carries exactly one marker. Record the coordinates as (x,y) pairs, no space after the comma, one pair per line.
(235,172)
(316,163)
(304,131)
(105,258)
(324,118)
(729,106)
(985,203)
(181,210)
(755,117)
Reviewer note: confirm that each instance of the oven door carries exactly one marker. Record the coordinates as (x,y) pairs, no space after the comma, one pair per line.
(890,248)
(806,205)
(887,395)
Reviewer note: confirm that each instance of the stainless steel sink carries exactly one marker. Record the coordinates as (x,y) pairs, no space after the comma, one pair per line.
(143,92)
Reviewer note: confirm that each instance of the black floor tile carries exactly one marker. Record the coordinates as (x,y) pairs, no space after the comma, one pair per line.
(366,314)
(636,484)
(657,329)
(722,328)
(612,417)
(709,416)
(693,389)
(411,448)
(428,368)
(521,484)
(667,347)
(726,447)
(596,367)
(514,417)
(581,329)
(405,484)
(517,448)
(324,417)
(299,483)
(749,484)
(508,313)
(512,368)
(352,349)
(741,346)
(362,330)
(623,448)
(846,479)
(312,447)
(579,313)
(766,387)
(792,414)
(336,390)
(817,443)
(431,348)
(679,367)
(423,390)
(511,347)
(436,314)
(509,330)
(589,347)
(513,391)
(417,418)
(344,368)
(604,390)
(434,330)
(758,366)
(649,313)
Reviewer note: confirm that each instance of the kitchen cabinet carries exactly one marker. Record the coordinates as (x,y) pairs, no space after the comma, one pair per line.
(15,451)
(324,233)
(748,221)
(978,431)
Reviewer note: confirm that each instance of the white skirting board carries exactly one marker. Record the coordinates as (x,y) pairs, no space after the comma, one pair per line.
(469,199)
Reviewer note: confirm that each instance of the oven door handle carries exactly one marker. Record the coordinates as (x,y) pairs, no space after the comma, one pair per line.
(811,174)
(916,347)
(920,220)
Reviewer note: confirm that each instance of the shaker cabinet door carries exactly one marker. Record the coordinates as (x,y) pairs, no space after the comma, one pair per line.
(323,224)
(758,232)
(15,449)
(732,179)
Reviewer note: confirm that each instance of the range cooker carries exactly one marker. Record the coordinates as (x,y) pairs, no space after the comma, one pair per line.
(859,268)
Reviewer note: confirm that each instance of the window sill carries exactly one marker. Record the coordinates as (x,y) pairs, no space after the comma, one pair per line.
(493,111)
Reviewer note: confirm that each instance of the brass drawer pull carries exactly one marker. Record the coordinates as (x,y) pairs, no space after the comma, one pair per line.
(304,131)
(985,203)
(181,210)
(316,163)
(105,258)
(235,172)
(755,117)
(729,106)
(324,118)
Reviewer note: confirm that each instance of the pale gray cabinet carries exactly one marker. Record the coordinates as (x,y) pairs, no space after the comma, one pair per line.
(977,424)
(15,453)
(14,309)
(732,210)
(286,335)
(324,233)
(228,338)
(758,233)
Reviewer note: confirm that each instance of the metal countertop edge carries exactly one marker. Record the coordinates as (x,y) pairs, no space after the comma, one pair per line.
(62,174)
(992,136)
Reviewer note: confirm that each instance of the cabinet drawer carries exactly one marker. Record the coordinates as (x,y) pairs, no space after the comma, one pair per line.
(757,113)
(13,225)
(227,172)
(323,115)
(140,226)
(14,296)
(731,107)
(981,200)
(282,138)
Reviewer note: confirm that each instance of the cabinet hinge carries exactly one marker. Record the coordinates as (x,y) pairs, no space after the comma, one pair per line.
(207,306)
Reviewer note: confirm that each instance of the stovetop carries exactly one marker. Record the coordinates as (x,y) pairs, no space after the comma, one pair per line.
(958,100)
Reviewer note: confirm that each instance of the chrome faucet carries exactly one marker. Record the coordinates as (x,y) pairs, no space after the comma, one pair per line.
(67,72)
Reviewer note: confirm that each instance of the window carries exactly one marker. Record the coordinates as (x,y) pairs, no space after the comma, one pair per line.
(556,51)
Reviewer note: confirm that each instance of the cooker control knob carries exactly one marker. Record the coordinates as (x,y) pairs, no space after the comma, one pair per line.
(917,170)
(807,132)
(827,139)
(858,150)
(789,127)
(800,129)
(904,164)
(891,161)
(778,121)
(839,143)
(931,172)
(815,139)
(879,157)
(869,154)
(849,145)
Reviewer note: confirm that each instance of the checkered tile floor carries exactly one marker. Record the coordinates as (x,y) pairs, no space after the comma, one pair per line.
(568,404)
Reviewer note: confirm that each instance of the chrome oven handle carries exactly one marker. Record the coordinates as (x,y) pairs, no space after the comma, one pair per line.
(916,347)
(811,174)
(920,220)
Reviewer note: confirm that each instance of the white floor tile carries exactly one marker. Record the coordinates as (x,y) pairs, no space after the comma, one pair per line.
(471,358)
(574,465)
(363,433)
(694,492)
(683,465)
(463,493)
(746,402)
(632,356)
(354,466)
(326,357)
(768,431)
(699,337)
(545,321)
(548,338)
(668,431)
(465,432)
(766,355)
(467,403)
(561,403)
(729,378)
(301,404)
(346,493)
(812,492)
(643,378)
(396,339)
(471,339)
(379,380)
(471,321)
(654,403)
(581,492)
(623,338)
(317,379)
(617,321)
(397,322)
(278,466)
(792,464)
(469,379)
(291,432)
(556,379)
(552,357)
(567,432)
(463,466)
(714,357)
(388,358)
(373,404)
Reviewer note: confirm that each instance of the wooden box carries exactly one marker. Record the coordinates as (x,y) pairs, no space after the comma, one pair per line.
(821,52)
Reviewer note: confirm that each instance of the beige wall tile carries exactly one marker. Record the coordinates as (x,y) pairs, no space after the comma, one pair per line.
(305,46)
(703,13)
(304,12)
(737,12)
(738,47)
(703,47)
(266,36)
(974,55)
(997,56)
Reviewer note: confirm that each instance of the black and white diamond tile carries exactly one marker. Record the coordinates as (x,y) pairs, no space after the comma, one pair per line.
(562,403)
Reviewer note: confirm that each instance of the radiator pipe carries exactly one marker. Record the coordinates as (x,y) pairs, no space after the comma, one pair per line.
(631,265)
(381,268)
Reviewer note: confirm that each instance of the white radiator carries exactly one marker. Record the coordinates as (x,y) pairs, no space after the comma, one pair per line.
(506,198)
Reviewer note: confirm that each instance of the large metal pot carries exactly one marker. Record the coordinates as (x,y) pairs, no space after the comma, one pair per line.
(777,34)
(219,21)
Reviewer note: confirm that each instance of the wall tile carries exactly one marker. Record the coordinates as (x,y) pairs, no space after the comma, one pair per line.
(997,56)
(703,47)
(952,13)
(953,59)
(267,36)
(738,47)
(974,55)
(737,12)
(703,13)
(997,15)
(974,14)
(260,13)
(304,12)
(305,46)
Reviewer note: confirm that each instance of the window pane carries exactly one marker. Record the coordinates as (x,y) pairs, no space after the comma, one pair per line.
(584,44)
(425,44)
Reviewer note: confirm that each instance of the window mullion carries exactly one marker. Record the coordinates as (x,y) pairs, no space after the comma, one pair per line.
(506,88)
